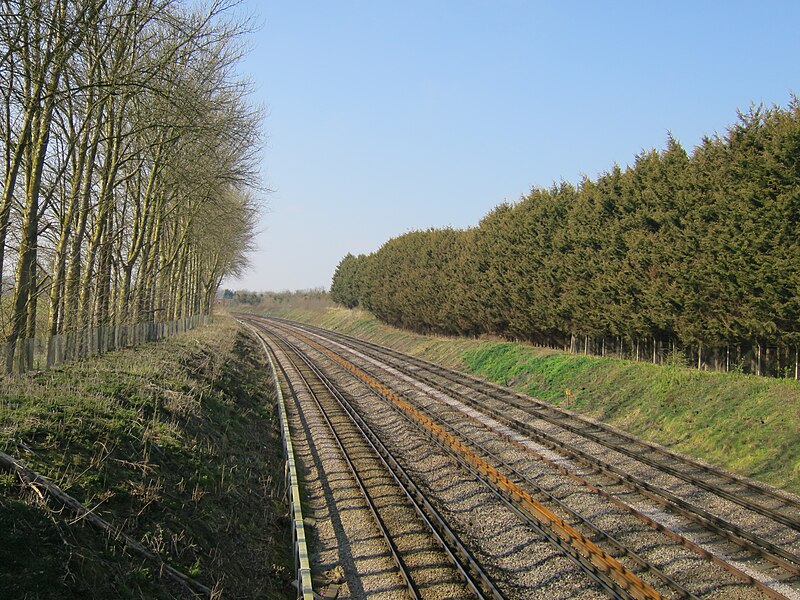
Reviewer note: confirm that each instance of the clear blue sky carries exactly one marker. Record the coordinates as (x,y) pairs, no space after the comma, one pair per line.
(383,117)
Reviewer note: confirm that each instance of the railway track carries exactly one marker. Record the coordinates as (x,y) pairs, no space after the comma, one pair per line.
(365,454)
(488,431)
(496,400)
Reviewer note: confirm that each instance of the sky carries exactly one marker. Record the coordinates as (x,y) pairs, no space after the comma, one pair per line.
(385,117)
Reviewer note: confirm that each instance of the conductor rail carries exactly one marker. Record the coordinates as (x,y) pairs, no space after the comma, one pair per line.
(302,566)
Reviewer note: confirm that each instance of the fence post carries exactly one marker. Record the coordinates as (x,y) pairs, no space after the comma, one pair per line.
(46,352)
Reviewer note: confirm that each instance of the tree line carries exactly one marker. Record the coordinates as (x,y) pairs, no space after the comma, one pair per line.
(689,258)
(128,163)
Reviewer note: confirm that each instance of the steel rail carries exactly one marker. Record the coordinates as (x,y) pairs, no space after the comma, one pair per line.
(764,548)
(557,416)
(492,390)
(775,554)
(595,532)
(473,574)
(623,579)
(403,568)
(589,461)
(305,587)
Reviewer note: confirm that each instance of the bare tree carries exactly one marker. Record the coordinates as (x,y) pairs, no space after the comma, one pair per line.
(124,134)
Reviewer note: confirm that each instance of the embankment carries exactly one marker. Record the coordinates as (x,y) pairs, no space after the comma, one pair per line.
(173,442)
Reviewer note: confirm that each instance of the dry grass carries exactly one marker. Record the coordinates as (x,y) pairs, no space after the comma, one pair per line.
(174,441)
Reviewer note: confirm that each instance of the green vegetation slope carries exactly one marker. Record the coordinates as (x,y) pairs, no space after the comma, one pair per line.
(176,443)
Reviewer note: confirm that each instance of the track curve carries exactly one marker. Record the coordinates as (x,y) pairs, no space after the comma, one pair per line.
(597,505)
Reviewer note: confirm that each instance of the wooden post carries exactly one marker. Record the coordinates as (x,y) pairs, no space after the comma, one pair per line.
(759,359)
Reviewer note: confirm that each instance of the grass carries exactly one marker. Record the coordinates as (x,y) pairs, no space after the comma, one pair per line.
(176,442)
(749,425)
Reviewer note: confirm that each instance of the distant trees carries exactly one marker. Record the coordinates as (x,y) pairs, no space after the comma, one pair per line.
(127,159)
(695,257)
(246,297)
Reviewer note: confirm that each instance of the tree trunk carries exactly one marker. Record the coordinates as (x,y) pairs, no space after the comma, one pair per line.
(25,289)
(66,259)
(105,206)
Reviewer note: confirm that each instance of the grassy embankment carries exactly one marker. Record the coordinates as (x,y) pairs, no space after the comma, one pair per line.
(176,443)
(749,425)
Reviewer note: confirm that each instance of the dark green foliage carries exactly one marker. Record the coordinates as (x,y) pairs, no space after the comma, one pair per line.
(346,288)
(696,254)
(244,297)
